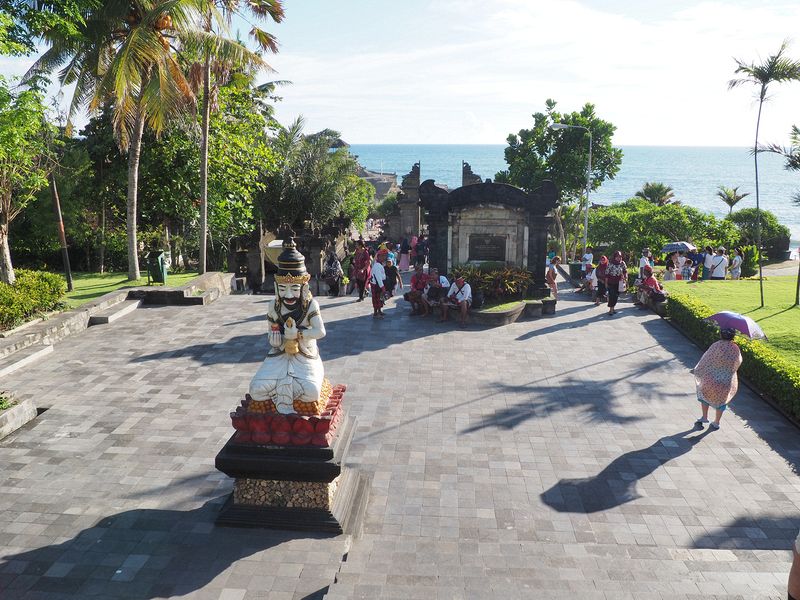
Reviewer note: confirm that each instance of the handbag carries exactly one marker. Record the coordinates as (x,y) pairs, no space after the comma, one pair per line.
(622,286)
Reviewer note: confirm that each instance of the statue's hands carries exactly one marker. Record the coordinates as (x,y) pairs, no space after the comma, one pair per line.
(290,329)
(274,336)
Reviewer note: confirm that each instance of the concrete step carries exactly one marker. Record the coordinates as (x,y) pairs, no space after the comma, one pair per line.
(115,312)
(23,357)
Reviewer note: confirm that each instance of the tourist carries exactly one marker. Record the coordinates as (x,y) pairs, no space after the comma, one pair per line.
(616,278)
(684,266)
(600,273)
(552,275)
(708,260)
(670,267)
(736,264)
(377,285)
(414,296)
(361,268)
(794,573)
(715,377)
(393,278)
(719,266)
(459,295)
(437,288)
(413,244)
(422,250)
(333,273)
(650,289)
(644,261)
(588,261)
(405,249)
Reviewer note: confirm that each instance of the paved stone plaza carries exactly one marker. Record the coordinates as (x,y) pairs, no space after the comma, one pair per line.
(552,458)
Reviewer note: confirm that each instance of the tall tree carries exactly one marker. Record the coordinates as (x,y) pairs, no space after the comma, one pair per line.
(730,196)
(24,163)
(657,193)
(777,68)
(262,10)
(540,153)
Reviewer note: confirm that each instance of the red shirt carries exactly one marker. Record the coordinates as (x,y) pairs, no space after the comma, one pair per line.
(419,281)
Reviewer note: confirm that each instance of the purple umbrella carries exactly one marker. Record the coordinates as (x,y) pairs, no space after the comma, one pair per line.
(731,320)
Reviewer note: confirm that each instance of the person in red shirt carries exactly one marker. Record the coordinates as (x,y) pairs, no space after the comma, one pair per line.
(418,282)
(650,288)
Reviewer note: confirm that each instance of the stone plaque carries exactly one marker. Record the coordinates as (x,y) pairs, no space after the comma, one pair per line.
(487,247)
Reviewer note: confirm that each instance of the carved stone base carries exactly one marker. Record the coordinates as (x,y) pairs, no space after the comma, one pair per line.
(288,494)
(344,515)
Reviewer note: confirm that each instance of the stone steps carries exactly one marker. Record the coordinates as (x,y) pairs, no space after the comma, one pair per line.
(115,312)
(23,357)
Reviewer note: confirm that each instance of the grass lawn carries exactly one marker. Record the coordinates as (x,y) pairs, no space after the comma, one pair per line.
(504,306)
(89,286)
(779,318)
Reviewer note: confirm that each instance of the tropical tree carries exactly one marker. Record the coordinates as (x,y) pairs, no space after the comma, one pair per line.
(657,193)
(777,68)
(792,156)
(220,64)
(730,196)
(24,161)
(542,152)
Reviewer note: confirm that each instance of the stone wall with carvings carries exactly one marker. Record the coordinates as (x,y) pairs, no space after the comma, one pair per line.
(488,232)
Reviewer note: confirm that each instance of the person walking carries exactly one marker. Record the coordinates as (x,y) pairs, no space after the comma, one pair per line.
(600,272)
(552,276)
(644,261)
(794,573)
(736,264)
(393,279)
(361,268)
(616,278)
(405,250)
(715,377)
(377,285)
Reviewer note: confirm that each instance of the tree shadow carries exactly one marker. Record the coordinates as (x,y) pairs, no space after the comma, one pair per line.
(616,484)
(770,531)
(143,554)
(777,431)
(239,349)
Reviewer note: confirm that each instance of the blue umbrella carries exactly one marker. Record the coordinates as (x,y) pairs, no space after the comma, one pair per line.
(731,320)
(679,247)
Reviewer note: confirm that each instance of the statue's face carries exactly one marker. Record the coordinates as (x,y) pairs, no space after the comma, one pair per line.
(290,292)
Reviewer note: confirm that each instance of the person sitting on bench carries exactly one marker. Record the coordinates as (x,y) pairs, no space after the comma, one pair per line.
(459,295)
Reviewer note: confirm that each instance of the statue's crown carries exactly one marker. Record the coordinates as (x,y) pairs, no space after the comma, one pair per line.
(290,279)
(291,264)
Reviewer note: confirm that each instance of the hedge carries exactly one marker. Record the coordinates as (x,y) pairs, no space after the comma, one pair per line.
(768,370)
(32,293)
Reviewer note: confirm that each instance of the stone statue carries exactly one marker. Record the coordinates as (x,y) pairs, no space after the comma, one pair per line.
(291,376)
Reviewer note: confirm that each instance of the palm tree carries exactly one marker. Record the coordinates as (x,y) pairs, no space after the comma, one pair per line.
(657,193)
(260,9)
(792,156)
(777,68)
(123,54)
(730,196)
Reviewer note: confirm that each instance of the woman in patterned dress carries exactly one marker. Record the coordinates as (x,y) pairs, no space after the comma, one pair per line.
(715,376)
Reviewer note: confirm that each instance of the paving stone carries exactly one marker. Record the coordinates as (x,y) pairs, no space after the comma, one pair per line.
(550,458)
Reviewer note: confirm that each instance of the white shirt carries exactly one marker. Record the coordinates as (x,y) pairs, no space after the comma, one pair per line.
(681,260)
(708,260)
(378,274)
(465,293)
(588,258)
(442,281)
(719,266)
(737,262)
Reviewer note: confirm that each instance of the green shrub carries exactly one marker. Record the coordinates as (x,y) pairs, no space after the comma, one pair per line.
(774,375)
(32,293)
(496,284)
(749,261)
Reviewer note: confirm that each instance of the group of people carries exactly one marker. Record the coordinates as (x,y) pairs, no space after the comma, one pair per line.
(605,280)
(709,264)
(431,290)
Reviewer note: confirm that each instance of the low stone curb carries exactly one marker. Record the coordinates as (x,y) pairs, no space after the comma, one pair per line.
(15,417)
(500,318)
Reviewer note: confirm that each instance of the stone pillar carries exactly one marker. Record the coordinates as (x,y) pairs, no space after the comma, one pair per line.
(408,203)
(538,226)
(467,176)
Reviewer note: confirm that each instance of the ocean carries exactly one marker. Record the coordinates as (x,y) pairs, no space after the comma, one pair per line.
(694,173)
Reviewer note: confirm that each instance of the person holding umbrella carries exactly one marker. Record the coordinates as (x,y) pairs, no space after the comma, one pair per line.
(715,377)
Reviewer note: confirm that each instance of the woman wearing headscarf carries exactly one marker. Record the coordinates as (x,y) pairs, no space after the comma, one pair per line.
(616,273)
(333,273)
(715,377)
(361,268)
(600,274)
(405,249)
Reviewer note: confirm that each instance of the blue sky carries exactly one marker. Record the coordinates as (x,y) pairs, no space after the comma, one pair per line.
(469,71)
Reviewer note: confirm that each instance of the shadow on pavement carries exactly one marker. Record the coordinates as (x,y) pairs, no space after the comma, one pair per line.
(143,554)
(764,532)
(616,484)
